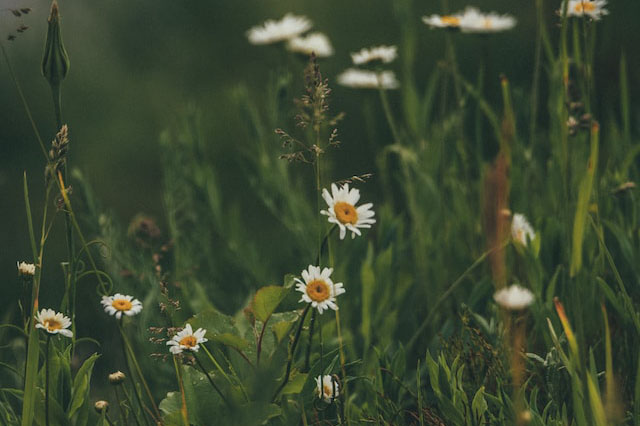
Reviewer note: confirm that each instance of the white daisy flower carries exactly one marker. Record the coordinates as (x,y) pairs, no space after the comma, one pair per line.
(317,43)
(514,298)
(318,289)
(343,212)
(53,322)
(187,340)
(474,21)
(26,269)
(442,21)
(362,79)
(272,31)
(119,304)
(591,8)
(327,388)
(383,54)
(521,230)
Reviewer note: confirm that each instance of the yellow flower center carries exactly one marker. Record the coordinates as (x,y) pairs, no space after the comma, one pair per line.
(584,7)
(452,21)
(121,304)
(52,324)
(189,341)
(328,390)
(318,290)
(345,213)
(487,23)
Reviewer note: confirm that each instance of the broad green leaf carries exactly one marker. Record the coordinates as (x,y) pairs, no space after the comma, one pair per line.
(479,406)
(220,328)
(266,300)
(296,383)
(80,391)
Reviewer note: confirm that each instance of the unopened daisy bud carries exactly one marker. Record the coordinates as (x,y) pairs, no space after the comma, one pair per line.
(55,62)
(26,269)
(101,406)
(117,378)
(514,298)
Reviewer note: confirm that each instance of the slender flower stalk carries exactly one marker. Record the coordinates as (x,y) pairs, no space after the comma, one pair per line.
(206,373)
(46,372)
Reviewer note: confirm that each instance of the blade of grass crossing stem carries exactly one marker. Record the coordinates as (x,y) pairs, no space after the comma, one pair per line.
(582,207)
(33,348)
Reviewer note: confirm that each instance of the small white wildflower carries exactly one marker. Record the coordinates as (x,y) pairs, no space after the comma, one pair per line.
(514,298)
(442,21)
(362,79)
(383,54)
(272,31)
(53,322)
(342,210)
(581,8)
(318,288)
(26,269)
(521,230)
(317,43)
(187,340)
(119,304)
(327,388)
(474,21)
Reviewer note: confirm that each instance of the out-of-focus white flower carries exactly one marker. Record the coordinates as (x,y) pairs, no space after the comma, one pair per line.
(591,8)
(26,269)
(363,79)
(327,388)
(187,340)
(342,210)
(318,288)
(53,322)
(521,230)
(119,304)
(383,54)
(272,31)
(442,21)
(317,43)
(514,298)
(474,21)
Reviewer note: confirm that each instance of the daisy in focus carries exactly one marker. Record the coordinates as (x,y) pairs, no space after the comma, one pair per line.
(53,322)
(318,288)
(342,210)
(187,340)
(521,230)
(591,8)
(384,54)
(327,388)
(26,269)
(514,298)
(317,43)
(119,304)
(272,31)
(474,21)
(442,21)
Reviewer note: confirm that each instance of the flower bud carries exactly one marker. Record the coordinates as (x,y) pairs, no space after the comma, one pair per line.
(116,378)
(55,62)
(26,269)
(101,406)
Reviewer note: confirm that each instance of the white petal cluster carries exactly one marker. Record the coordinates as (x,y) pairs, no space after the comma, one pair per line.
(26,269)
(318,43)
(272,31)
(53,322)
(514,298)
(324,297)
(327,388)
(363,79)
(187,340)
(594,9)
(442,21)
(119,304)
(521,230)
(474,21)
(384,54)
(342,210)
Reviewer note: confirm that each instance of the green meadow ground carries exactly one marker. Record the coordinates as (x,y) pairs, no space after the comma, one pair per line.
(190,177)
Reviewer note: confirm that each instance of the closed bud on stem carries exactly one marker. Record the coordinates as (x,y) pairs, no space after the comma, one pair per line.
(116,378)
(101,406)
(55,61)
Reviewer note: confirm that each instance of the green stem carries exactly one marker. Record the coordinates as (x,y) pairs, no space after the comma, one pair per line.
(46,391)
(308,356)
(217,365)
(387,113)
(127,398)
(123,418)
(183,408)
(204,370)
(136,391)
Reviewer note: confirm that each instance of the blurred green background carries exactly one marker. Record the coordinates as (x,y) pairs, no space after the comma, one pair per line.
(136,66)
